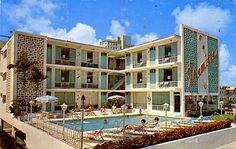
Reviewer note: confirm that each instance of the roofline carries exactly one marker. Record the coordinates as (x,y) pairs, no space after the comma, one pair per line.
(150,42)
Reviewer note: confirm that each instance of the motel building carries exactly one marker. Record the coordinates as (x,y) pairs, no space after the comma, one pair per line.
(180,70)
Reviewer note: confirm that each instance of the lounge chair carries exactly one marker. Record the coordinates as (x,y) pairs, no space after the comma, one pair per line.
(183,122)
(95,135)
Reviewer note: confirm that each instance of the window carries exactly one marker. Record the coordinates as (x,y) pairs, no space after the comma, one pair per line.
(4,98)
(90,57)
(139,57)
(168,75)
(65,76)
(65,53)
(4,76)
(89,77)
(4,54)
(167,51)
(140,77)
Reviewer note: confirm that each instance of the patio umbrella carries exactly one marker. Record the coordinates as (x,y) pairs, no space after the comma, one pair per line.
(116,97)
(46,99)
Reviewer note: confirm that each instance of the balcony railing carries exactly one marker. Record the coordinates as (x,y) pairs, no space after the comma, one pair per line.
(168,59)
(159,107)
(87,64)
(65,84)
(140,105)
(168,84)
(65,62)
(95,86)
(140,85)
(142,64)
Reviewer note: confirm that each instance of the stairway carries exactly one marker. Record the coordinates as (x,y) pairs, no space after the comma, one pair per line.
(118,84)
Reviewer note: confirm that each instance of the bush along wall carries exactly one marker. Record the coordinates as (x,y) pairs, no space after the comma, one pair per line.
(165,136)
(204,113)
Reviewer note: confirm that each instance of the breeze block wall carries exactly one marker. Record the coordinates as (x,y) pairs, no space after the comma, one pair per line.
(35,47)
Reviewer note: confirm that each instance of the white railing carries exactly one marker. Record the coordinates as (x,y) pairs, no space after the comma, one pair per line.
(65,61)
(72,136)
(142,64)
(159,107)
(168,84)
(168,59)
(140,85)
(65,84)
(140,105)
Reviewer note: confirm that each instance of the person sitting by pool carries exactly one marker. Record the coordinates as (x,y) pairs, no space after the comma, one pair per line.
(103,109)
(137,127)
(154,123)
(95,135)
(113,109)
(90,111)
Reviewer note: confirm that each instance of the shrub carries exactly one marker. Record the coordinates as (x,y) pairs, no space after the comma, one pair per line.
(165,136)
(204,113)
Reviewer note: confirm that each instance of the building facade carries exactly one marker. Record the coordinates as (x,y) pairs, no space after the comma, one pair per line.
(118,43)
(180,70)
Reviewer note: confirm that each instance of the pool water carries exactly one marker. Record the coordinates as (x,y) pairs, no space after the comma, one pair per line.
(112,122)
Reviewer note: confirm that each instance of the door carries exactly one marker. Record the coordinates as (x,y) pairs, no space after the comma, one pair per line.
(177,103)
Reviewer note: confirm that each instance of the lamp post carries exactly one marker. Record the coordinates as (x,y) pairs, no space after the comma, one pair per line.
(200,105)
(221,105)
(82,122)
(64,107)
(31,109)
(123,107)
(165,106)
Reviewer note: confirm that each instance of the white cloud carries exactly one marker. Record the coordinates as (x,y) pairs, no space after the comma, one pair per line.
(227,70)
(224,57)
(116,28)
(127,23)
(145,38)
(205,17)
(36,16)
(81,33)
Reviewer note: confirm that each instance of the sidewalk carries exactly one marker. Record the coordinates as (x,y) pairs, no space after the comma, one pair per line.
(231,145)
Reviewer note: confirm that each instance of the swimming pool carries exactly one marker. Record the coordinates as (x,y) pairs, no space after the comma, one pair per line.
(112,122)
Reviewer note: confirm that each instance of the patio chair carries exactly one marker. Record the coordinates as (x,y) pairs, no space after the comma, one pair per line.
(183,122)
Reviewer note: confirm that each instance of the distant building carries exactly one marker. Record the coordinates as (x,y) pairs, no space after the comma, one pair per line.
(117,43)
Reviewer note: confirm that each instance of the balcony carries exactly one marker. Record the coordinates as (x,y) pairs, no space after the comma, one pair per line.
(88,64)
(168,84)
(70,62)
(65,85)
(168,59)
(93,86)
(142,64)
(140,85)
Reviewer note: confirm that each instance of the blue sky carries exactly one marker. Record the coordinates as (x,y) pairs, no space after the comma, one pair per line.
(91,21)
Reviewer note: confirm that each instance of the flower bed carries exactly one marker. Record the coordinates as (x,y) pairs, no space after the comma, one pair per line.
(165,136)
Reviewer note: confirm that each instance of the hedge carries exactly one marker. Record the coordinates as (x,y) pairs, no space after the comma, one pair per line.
(204,113)
(165,136)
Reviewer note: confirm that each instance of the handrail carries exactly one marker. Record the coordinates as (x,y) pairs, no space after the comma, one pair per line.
(216,113)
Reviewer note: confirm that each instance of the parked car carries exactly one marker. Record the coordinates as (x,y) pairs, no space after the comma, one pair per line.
(228,107)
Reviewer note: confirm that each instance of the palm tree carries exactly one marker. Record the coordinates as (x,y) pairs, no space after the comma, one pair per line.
(23,66)
(37,77)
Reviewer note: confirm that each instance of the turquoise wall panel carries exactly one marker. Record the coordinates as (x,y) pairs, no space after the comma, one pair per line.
(104,81)
(49,54)
(213,67)
(104,60)
(49,79)
(190,56)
